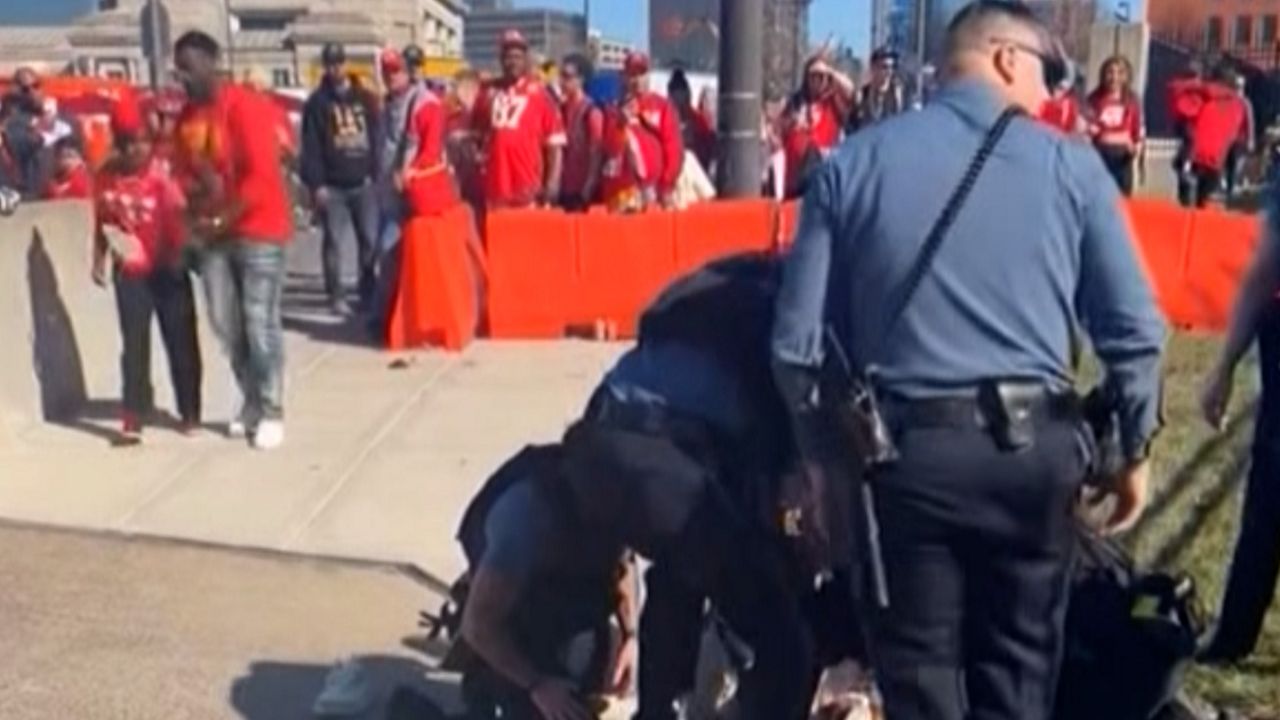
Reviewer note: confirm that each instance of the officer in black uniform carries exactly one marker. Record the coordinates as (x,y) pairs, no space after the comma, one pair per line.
(952,253)
(1251,584)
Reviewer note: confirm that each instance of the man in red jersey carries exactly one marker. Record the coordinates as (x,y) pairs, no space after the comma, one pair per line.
(229,154)
(584,127)
(521,131)
(643,150)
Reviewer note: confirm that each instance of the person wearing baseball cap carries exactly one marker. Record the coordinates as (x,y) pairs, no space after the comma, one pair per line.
(521,131)
(643,148)
(141,233)
(813,123)
(339,138)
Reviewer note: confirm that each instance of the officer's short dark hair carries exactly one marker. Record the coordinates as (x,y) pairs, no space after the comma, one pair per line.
(974,19)
(200,42)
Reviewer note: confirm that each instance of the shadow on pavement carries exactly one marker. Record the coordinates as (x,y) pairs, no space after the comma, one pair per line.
(55,351)
(272,690)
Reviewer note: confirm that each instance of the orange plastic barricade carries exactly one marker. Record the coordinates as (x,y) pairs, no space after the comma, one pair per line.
(435,303)
(712,230)
(532,267)
(1221,247)
(623,262)
(788,221)
(1162,231)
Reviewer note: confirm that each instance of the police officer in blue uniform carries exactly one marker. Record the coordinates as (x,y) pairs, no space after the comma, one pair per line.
(1251,584)
(974,375)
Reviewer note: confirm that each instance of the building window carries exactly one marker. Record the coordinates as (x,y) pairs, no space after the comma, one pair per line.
(281,77)
(1270,30)
(1243,35)
(1213,33)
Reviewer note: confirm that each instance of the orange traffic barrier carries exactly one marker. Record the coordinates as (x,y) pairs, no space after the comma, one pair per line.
(436,300)
(1162,231)
(709,231)
(1220,249)
(533,258)
(623,262)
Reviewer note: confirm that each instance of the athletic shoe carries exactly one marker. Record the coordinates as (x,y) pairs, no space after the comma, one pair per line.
(269,435)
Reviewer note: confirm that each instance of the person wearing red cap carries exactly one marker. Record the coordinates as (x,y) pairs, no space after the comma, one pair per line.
(140,233)
(643,148)
(521,133)
(814,119)
(230,158)
(416,178)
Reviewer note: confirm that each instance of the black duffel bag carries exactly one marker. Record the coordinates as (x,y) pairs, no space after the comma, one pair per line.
(1130,637)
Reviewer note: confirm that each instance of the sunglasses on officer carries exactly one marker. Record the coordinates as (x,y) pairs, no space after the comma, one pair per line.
(1054,68)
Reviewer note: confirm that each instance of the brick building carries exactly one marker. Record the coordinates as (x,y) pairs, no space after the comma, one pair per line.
(1245,29)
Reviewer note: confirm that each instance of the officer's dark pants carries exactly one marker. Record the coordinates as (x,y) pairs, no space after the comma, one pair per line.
(1256,563)
(978,547)
(668,507)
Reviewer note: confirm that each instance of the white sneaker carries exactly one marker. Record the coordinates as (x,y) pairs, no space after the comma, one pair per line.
(269,436)
(237,430)
(346,692)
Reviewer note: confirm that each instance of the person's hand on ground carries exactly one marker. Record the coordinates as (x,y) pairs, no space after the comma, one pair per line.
(557,700)
(624,668)
(1130,491)
(1215,396)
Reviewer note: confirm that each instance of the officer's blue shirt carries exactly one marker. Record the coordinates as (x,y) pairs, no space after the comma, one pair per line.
(1040,249)
(682,379)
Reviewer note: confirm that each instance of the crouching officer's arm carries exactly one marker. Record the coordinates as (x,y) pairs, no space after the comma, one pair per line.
(485,626)
(1118,310)
(1257,293)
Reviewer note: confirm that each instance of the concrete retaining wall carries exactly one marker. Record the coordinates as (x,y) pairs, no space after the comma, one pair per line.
(59,333)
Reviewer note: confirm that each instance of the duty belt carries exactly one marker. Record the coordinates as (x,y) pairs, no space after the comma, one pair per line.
(994,405)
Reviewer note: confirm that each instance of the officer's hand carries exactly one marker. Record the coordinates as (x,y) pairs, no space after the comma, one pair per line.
(1215,397)
(557,700)
(1130,490)
(624,668)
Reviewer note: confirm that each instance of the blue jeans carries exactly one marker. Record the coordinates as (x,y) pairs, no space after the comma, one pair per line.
(243,282)
(347,216)
(388,259)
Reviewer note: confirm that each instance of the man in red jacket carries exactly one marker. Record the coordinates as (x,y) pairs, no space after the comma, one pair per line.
(229,155)
(643,149)
(1213,116)
(521,132)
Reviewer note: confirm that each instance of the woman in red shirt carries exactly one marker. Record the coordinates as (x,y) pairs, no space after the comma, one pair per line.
(1116,120)
(140,232)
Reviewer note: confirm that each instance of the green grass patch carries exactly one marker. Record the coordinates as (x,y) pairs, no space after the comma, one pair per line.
(1191,525)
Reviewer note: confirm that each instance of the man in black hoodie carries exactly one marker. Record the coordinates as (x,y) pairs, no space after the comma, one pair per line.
(338,167)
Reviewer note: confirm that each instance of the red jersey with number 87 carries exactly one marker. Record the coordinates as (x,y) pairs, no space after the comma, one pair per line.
(517,121)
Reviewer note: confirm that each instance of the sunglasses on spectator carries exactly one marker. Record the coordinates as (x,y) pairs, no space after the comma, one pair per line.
(1053,67)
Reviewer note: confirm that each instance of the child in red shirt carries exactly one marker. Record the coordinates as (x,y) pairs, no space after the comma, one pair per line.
(71,179)
(140,231)
(1116,121)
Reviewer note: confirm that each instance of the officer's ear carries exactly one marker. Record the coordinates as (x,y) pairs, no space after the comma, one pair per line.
(1006,61)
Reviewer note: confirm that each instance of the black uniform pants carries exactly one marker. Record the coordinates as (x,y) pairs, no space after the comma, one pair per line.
(1256,563)
(668,507)
(977,546)
(166,294)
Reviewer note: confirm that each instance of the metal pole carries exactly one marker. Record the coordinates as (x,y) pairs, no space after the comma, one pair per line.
(158,50)
(231,52)
(741,82)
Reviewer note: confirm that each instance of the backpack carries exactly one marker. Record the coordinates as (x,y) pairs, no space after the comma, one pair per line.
(1130,637)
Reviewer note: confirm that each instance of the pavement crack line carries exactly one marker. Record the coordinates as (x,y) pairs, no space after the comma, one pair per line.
(294,536)
(124,523)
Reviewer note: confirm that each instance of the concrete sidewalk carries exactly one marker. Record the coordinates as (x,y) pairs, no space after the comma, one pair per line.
(378,461)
